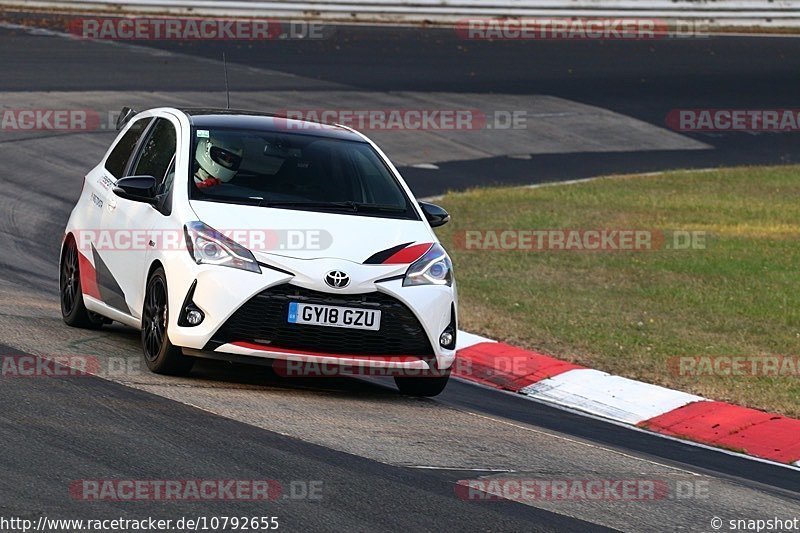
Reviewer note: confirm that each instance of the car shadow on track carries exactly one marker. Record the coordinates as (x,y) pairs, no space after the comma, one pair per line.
(260,375)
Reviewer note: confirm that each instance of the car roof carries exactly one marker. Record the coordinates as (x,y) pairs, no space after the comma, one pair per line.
(254,120)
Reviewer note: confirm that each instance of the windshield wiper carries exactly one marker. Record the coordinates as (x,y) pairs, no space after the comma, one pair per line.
(314,205)
(227,199)
(384,208)
(355,207)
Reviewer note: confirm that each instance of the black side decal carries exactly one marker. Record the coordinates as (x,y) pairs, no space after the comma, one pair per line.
(282,271)
(110,291)
(382,256)
(391,278)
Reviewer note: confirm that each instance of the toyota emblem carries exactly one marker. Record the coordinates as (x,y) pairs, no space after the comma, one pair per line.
(337,279)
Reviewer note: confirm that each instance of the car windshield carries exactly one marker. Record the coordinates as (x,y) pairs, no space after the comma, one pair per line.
(294,171)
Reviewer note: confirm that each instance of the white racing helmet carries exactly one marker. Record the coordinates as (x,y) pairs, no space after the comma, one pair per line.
(219,156)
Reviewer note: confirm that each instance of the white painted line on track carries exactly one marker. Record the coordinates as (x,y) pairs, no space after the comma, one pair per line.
(423,467)
(154,52)
(585,180)
(580,442)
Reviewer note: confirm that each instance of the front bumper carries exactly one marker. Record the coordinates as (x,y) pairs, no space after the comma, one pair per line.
(245,314)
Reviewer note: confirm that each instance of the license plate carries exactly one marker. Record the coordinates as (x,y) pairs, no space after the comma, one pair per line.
(334,316)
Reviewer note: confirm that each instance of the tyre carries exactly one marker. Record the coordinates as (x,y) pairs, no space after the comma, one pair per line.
(73,309)
(160,355)
(422,386)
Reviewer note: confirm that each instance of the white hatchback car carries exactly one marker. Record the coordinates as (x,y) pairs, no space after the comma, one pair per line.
(237,235)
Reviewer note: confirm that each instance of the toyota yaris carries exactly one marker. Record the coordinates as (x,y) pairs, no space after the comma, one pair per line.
(236,235)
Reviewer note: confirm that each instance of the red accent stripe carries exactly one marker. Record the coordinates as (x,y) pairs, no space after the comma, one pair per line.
(409,254)
(88,277)
(381,358)
(506,367)
(767,435)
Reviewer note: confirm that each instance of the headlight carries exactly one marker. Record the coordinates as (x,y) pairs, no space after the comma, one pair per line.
(207,246)
(433,268)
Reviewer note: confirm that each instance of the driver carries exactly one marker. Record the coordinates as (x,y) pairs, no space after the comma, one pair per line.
(218,159)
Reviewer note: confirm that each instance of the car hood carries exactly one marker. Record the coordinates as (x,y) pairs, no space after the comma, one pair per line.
(310,235)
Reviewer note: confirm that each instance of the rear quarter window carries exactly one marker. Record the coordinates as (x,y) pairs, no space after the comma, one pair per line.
(118,158)
(157,151)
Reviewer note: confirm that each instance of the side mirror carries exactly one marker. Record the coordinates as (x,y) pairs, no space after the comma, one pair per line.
(137,189)
(124,116)
(436,215)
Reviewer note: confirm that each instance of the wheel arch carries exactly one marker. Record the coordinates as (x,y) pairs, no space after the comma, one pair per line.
(68,236)
(154,265)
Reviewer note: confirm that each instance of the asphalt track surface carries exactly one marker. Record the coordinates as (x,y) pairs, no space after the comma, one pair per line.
(386,462)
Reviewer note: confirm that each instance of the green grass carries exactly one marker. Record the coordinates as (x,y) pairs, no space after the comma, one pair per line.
(631,313)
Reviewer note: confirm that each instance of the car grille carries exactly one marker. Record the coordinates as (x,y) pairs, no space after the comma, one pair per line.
(263,319)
